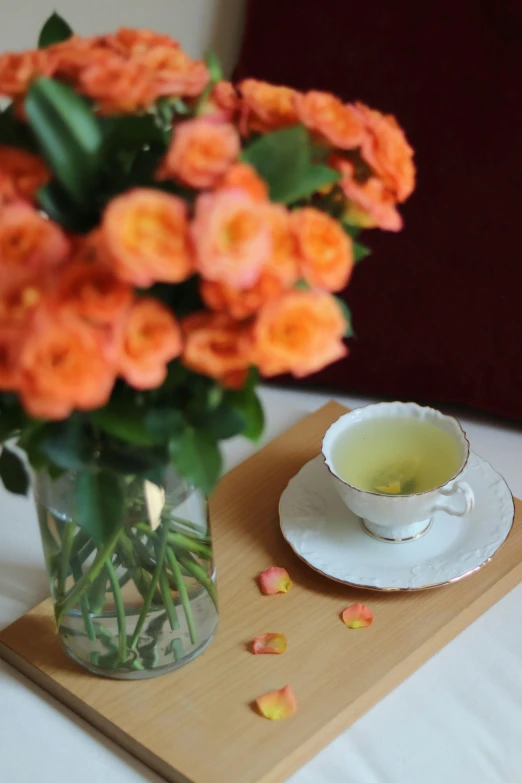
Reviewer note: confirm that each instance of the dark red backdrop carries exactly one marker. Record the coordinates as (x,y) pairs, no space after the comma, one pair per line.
(437,308)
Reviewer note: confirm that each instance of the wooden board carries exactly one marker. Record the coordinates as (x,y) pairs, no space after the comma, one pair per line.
(196,725)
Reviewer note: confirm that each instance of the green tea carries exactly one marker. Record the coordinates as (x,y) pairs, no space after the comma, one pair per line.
(396,456)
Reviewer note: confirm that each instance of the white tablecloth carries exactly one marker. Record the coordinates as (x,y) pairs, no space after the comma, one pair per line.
(456,720)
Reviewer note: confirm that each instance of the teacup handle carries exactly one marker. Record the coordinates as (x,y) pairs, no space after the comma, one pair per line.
(462,488)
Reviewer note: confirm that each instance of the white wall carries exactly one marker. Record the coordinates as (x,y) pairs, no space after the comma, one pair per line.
(197,24)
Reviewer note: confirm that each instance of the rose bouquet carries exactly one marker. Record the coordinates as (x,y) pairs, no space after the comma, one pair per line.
(165,239)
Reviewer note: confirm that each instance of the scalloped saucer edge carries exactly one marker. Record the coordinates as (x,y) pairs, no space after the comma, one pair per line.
(330,539)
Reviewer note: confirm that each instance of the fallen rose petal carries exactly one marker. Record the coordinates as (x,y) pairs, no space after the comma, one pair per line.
(277,705)
(269,644)
(275,580)
(357,616)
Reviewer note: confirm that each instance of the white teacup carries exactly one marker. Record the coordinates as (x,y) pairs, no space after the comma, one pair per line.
(399,518)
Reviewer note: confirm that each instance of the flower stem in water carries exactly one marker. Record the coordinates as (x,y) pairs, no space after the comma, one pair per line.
(120,611)
(182,590)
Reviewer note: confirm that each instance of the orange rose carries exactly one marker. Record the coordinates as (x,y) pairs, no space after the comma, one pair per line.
(118,86)
(241,304)
(90,292)
(63,368)
(27,172)
(11,342)
(130,42)
(266,107)
(280,272)
(147,235)
(217,346)
(336,122)
(387,151)
(201,151)
(28,240)
(71,57)
(284,261)
(151,338)
(299,333)
(325,250)
(20,294)
(18,70)
(370,203)
(244,176)
(173,72)
(223,102)
(232,237)
(90,248)
(7,190)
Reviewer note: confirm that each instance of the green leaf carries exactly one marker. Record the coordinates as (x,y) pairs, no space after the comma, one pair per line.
(99,504)
(177,374)
(223,422)
(214,396)
(253,379)
(13,473)
(68,444)
(68,134)
(214,67)
(360,252)
(55,472)
(282,159)
(126,421)
(57,204)
(164,423)
(130,132)
(256,419)
(175,189)
(352,231)
(11,421)
(183,298)
(156,475)
(167,107)
(29,441)
(179,106)
(15,133)
(131,461)
(166,110)
(315,178)
(347,314)
(197,458)
(54,30)
(249,405)
(144,166)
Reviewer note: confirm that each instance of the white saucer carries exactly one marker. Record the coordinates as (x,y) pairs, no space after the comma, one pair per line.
(328,537)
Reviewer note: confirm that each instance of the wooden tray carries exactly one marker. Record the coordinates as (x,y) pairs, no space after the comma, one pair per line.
(197,725)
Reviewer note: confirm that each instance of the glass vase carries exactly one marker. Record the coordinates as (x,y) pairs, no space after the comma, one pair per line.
(144,601)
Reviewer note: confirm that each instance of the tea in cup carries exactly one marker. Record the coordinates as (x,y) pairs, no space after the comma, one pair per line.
(394,464)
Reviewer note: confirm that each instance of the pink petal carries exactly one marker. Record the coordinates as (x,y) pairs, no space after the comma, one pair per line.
(269,644)
(357,616)
(277,705)
(275,580)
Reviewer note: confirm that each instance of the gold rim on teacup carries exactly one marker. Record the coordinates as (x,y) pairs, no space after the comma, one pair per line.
(392,518)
